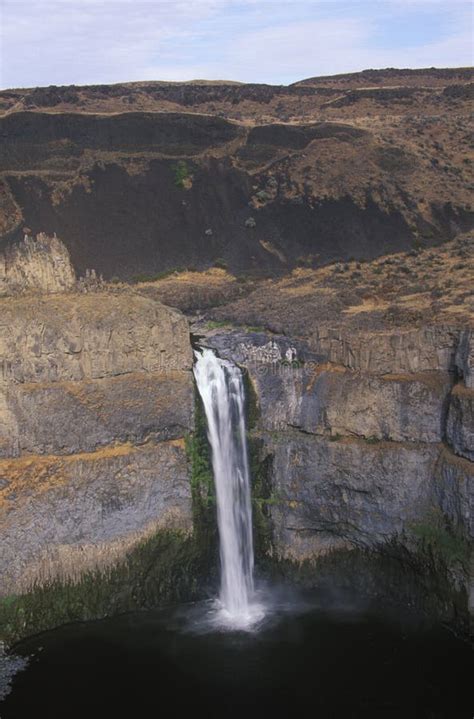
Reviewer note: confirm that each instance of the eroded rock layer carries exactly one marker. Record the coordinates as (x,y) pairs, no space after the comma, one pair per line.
(362,456)
(96,397)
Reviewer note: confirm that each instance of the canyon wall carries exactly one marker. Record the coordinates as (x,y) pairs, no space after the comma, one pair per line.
(96,399)
(368,440)
(139,180)
(361,446)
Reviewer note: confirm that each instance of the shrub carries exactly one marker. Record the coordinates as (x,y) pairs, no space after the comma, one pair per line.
(447,542)
(181,174)
(220,263)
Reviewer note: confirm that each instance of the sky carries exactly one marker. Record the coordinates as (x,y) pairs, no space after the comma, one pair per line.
(63,42)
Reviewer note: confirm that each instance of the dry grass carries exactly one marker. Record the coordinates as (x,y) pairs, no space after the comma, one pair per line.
(67,563)
(368,304)
(405,290)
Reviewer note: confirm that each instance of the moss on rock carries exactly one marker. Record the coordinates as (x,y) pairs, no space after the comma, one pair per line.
(165,568)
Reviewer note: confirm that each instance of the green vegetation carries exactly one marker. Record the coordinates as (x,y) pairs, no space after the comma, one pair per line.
(252,410)
(262,498)
(220,263)
(372,439)
(441,540)
(253,328)
(181,174)
(217,324)
(164,568)
(202,480)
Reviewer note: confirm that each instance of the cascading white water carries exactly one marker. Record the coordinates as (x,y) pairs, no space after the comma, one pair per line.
(222,391)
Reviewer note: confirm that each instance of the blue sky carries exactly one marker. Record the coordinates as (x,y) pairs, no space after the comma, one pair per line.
(59,42)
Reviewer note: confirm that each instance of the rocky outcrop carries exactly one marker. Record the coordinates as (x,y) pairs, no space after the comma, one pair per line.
(390,351)
(346,493)
(336,402)
(357,450)
(465,357)
(89,337)
(96,396)
(73,417)
(460,426)
(62,517)
(32,138)
(38,263)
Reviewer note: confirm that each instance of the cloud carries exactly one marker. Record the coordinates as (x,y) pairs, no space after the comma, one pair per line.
(330,47)
(88,41)
(102,41)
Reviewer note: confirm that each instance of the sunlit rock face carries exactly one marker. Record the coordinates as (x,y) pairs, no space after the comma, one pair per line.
(96,396)
(38,263)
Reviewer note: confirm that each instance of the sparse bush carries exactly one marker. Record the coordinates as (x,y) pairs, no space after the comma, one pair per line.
(220,263)
(447,542)
(217,324)
(181,174)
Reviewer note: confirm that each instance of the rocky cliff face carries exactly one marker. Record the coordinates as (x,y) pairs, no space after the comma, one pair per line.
(96,397)
(38,263)
(367,441)
(361,438)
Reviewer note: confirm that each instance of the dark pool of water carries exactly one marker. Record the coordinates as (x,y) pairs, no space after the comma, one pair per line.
(303,661)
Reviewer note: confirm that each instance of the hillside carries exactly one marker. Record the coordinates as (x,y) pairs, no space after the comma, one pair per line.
(151,176)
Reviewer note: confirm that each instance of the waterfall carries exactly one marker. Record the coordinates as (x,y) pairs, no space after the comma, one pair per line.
(222,391)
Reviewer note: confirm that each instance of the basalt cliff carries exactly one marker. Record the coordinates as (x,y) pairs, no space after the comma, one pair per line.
(319,236)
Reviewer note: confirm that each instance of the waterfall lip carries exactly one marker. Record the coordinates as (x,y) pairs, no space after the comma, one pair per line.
(221,388)
(196,340)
